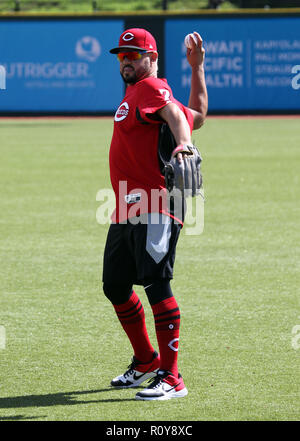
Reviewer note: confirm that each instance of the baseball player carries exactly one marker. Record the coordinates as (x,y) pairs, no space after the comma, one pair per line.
(141,241)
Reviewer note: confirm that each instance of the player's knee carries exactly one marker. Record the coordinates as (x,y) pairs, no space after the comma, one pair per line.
(158,291)
(117,293)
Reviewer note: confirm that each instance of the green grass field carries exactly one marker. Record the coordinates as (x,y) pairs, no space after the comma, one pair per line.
(237,284)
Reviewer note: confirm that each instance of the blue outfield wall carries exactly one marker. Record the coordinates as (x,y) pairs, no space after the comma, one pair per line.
(63,65)
(60,66)
(251,63)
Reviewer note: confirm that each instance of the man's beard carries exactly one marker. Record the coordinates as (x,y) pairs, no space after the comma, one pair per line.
(131,78)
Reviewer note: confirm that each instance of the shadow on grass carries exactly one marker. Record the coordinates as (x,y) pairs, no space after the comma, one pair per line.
(21,417)
(58,399)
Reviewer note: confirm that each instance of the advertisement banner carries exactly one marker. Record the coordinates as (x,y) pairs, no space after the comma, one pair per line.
(60,65)
(252,63)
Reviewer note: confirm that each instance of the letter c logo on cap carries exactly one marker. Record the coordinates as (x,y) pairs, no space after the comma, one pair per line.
(128,36)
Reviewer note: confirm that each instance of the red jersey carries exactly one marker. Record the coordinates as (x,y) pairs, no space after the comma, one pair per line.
(135,171)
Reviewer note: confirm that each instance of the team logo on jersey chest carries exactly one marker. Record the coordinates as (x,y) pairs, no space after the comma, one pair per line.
(122,111)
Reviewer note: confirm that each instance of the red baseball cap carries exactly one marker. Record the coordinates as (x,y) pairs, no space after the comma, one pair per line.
(135,39)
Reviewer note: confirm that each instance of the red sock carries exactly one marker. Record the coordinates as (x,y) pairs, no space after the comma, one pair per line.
(132,317)
(167,322)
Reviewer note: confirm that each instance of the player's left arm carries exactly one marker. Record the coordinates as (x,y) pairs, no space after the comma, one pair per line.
(198,100)
(177,123)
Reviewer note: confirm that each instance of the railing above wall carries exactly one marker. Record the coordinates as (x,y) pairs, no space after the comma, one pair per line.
(142,6)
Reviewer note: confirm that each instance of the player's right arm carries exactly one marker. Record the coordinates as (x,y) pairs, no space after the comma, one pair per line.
(198,101)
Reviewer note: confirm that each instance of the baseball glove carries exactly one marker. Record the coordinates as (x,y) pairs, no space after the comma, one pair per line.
(185,175)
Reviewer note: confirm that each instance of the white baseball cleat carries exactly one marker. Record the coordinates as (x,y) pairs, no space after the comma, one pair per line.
(164,387)
(137,373)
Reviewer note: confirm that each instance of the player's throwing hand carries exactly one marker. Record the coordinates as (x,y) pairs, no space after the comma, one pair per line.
(195,53)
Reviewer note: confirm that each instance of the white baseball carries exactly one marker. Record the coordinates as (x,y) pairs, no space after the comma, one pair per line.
(188,42)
